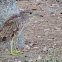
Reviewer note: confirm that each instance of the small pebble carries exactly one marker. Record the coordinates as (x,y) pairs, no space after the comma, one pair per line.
(30,60)
(19,61)
(39,57)
(27,47)
(6,49)
(45,49)
(36,47)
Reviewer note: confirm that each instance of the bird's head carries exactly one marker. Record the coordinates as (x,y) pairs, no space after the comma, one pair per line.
(28,14)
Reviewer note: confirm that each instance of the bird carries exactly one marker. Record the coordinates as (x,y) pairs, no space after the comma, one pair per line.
(13,26)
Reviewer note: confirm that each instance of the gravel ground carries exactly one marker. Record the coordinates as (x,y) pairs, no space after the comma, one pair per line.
(43,34)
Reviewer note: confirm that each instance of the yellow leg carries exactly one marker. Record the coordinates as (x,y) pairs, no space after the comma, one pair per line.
(18,52)
(11,48)
(13,44)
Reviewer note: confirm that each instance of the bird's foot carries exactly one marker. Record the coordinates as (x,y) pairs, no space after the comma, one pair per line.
(13,54)
(18,52)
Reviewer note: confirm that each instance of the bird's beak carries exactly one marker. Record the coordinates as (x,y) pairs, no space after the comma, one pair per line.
(35,14)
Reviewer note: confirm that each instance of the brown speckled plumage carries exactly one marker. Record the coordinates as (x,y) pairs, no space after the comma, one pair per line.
(13,26)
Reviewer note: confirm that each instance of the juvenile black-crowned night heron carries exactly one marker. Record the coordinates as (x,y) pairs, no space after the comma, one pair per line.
(13,27)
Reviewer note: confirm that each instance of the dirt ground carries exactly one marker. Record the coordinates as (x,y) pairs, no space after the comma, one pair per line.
(43,34)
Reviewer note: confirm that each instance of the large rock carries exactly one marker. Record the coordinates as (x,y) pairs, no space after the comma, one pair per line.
(7,8)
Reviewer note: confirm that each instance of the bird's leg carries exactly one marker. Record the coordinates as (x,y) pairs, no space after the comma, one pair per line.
(11,48)
(18,52)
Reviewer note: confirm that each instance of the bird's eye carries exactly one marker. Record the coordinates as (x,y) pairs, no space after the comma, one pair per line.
(30,12)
